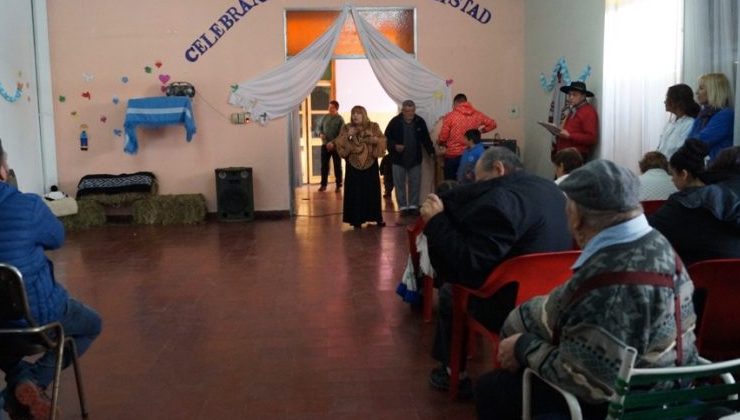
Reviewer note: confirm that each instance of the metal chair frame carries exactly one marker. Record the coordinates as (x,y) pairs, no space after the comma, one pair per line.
(34,339)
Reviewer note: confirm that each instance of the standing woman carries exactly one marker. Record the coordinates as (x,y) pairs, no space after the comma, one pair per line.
(361,143)
(679,101)
(716,121)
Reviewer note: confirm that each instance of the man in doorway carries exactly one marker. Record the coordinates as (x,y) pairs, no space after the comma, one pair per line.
(455,124)
(580,127)
(329,128)
(406,134)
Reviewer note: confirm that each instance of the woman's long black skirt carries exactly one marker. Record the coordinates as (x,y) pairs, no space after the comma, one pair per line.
(362,195)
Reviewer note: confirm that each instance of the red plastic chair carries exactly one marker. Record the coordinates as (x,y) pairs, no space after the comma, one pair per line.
(427,282)
(535,274)
(718,332)
(651,206)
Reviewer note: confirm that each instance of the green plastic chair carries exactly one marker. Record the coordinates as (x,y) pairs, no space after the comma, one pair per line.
(713,387)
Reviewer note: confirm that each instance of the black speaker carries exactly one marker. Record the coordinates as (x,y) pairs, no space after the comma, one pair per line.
(234,196)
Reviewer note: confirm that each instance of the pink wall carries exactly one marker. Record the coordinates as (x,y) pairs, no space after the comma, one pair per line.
(110,39)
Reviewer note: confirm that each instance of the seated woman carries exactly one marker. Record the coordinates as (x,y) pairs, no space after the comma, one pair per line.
(565,161)
(655,181)
(702,220)
(716,121)
(361,143)
(679,101)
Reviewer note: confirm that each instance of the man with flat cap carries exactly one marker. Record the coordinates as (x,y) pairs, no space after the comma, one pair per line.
(580,125)
(622,294)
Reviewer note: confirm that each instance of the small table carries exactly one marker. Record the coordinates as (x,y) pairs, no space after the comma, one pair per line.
(156,112)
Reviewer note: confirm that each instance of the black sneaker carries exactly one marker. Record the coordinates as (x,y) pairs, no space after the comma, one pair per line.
(322,188)
(440,379)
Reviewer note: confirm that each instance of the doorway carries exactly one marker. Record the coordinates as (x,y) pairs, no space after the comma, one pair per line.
(348,79)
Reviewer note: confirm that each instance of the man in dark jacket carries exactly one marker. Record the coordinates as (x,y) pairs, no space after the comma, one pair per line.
(406,135)
(473,228)
(29,228)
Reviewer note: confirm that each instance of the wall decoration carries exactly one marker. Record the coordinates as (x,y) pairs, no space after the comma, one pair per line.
(158,64)
(124,79)
(86,94)
(115,100)
(164,78)
(62,98)
(147,69)
(73,113)
(14,97)
(561,69)
(83,137)
(117,132)
(470,8)
(87,77)
(103,119)
(226,21)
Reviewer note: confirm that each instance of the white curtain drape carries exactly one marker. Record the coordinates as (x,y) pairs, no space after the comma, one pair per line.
(278,92)
(642,56)
(402,76)
(712,41)
(281,90)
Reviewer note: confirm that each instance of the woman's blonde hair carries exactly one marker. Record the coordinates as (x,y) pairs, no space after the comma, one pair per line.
(365,119)
(719,94)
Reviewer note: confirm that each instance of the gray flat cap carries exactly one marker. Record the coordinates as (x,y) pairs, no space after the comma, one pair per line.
(603,185)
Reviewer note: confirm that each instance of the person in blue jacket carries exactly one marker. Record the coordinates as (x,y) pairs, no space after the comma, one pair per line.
(473,151)
(29,228)
(715,123)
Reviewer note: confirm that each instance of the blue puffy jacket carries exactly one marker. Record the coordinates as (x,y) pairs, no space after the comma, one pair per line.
(27,228)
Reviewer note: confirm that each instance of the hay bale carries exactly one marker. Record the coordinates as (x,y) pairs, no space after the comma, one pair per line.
(170,209)
(116,200)
(89,214)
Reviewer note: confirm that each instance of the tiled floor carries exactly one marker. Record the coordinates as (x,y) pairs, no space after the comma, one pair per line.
(288,319)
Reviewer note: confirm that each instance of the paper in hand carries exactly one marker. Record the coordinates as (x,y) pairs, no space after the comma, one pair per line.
(552,128)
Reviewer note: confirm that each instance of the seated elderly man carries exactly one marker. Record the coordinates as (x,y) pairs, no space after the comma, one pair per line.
(622,293)
(28,229)
(471,229)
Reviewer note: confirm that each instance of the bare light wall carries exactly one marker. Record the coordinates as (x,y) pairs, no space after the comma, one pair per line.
(94,45)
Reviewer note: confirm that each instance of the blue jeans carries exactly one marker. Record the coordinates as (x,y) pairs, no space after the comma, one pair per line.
(403,178)
(81,323)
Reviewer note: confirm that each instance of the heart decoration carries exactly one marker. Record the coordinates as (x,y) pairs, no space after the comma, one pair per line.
(234,88)
(164,78)
(73,113)
(103,119)
(62,98)
(449,82)
(87,95)
(124,79)
(117,132)
(163,89)
(115,100)
(158,64)
(147,69)
(88,77)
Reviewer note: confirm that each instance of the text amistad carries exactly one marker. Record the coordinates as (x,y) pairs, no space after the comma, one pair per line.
(471,8)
